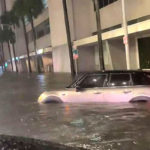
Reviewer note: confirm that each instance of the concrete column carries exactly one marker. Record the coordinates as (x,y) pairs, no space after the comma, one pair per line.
(117,53)
(61,59)
(126,38)
(107,56)
(86,60)
(134,54)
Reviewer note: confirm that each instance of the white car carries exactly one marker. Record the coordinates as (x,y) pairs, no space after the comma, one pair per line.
(107,86)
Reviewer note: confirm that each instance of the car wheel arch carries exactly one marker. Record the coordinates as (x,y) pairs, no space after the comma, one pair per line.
(140,99)
(51,99)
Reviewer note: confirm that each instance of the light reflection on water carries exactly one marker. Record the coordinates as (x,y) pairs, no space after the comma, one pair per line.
(94,126)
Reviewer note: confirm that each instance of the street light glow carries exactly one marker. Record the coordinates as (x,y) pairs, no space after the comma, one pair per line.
(40,51)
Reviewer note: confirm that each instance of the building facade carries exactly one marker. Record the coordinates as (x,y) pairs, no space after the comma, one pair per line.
(44,51)
(137,13)
(52,46)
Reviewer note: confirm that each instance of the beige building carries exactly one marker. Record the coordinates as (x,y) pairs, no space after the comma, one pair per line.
(83,33)
(52,42)
(43,40)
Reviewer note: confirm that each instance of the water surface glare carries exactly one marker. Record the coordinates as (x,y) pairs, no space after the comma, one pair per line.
(92,126)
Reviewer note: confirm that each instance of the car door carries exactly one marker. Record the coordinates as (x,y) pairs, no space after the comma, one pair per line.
(91,89)
(119,88)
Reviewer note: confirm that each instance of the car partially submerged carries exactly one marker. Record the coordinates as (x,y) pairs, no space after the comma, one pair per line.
(107,86)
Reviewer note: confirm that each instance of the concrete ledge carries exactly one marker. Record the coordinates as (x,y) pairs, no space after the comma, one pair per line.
(45,50)
(135,28)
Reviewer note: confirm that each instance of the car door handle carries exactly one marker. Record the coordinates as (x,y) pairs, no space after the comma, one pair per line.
(97,93)
(127,92)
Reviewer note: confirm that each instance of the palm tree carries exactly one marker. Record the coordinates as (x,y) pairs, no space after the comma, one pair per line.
(27,46)
(9,19)
(4,37)
(8,44)
(12,40)
(2,56)
(29,9)
(12,19)
(1,62)
(99,35)
(2,51)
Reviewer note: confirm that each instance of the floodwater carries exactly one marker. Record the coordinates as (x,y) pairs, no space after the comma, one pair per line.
(92,126)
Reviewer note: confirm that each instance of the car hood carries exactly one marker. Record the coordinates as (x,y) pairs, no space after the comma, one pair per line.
(55,93)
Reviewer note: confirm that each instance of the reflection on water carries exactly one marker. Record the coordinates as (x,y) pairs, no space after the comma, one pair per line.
(93,126)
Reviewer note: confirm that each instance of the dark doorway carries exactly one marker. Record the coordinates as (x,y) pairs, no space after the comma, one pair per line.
(144,52)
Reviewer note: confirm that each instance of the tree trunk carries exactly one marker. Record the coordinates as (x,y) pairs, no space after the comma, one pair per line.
(5,8)
(35,45)
(27,47)
(15,57)
(1,60)
(69,38)
(3,56)
(99,34)
(10,55)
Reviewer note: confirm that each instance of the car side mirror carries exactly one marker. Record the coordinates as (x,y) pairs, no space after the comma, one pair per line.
(78,88)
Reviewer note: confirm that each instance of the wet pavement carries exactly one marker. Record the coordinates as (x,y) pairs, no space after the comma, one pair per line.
(92,126)
(21,143)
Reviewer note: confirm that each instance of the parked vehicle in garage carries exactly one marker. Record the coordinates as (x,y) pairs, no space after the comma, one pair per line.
(107,86)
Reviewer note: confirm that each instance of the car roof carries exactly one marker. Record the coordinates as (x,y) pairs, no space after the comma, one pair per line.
(83,74)
(118,71)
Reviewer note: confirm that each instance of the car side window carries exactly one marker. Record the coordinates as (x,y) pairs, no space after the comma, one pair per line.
(141,78)
(119,80)
(92,81)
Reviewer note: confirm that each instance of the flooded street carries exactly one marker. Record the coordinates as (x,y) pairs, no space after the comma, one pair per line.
(92,126)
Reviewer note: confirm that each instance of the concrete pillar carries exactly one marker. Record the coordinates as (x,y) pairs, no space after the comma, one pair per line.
(107,56)
(134,53)
(86,60)
(117,52)
(61,59)
(47,63)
